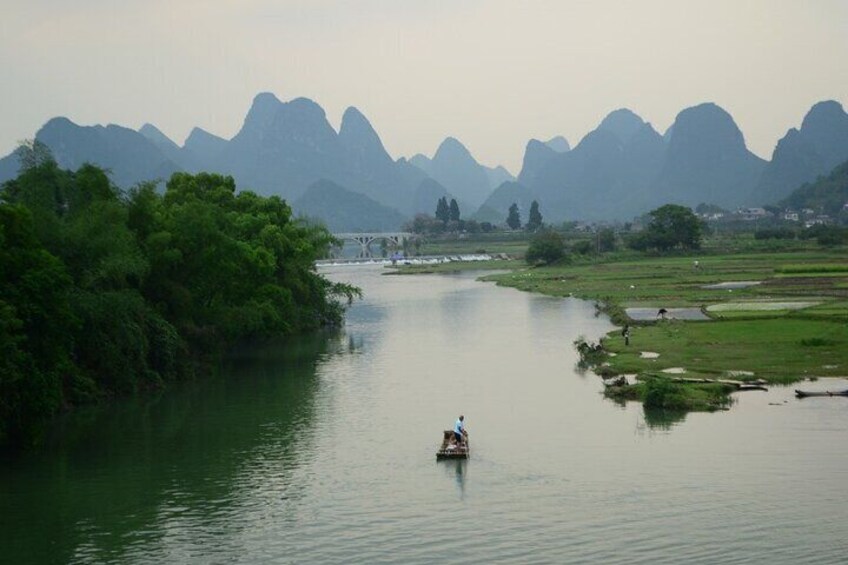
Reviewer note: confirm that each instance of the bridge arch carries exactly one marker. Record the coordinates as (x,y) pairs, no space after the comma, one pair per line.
(365,239)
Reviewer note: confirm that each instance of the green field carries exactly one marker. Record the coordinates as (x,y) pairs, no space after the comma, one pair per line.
(676,281)
(778,350)
(792,325)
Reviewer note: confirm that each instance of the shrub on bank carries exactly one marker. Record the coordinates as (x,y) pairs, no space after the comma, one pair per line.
(546,248)
(662,394)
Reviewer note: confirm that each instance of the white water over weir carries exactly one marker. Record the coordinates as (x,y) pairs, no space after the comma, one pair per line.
(417,260)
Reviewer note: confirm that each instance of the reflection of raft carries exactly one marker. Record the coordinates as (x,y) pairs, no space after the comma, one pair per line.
(804,394)
(450,450)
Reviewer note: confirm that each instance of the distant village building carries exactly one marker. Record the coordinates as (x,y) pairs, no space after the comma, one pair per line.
(791,216)
(752,213)
(820,220)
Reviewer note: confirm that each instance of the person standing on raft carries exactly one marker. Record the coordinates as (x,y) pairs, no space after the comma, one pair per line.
(459,431)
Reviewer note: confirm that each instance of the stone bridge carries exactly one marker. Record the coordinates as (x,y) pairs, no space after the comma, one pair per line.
(365,239)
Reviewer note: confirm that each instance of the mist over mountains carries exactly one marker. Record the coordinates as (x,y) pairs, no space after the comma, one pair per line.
(348,179)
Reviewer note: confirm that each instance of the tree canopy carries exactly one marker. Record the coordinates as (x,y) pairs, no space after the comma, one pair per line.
(534,218)
(453,211)
(442,210)
(546,247)
(105,293)
(513,219)
(671,226)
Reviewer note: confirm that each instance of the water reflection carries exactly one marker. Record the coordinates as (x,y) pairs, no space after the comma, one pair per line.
(663,419)
(457,470)
(135,475)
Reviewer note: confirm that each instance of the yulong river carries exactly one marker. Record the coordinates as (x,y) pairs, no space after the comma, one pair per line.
(322,450)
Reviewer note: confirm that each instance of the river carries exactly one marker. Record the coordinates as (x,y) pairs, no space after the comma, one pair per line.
(322,450)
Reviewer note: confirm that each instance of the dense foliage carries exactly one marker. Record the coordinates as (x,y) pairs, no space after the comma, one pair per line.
(671,226)
(826,236)
(534,220)
(453,211)
(546,247)
(447,213)
(513,219)
(104,293)
(442,210)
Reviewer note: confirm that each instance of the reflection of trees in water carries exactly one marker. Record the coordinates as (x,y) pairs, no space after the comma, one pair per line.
(133,474)
(654,419)
(663,419)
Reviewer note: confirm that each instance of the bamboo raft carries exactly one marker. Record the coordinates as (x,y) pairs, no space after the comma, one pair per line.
(450,450)
(805,394)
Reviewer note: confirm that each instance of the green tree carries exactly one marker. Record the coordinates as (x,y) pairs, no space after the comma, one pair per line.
(227,266)
(37,327)
(422,223)
(606,240)
(32,153)
(534,219)
(671,226)
(546,247)
(442,210)
(583,247)
(105,293)
(82,220)
(513,219)
(453,212)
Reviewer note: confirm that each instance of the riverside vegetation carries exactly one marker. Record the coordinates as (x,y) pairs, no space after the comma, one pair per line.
(792,325)
(106,293)
(774,312)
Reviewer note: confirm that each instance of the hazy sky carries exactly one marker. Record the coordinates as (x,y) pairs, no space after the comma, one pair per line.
(492,73)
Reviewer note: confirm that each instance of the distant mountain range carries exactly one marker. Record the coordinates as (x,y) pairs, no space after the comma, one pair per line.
(455,168)
(621,169)
(350,212)
(804,154)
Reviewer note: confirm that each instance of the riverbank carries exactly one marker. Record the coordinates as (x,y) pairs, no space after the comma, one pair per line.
(774,318)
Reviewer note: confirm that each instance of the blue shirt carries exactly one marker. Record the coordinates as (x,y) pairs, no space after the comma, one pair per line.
(457,429)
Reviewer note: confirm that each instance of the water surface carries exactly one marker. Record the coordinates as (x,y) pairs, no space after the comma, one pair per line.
(322,450)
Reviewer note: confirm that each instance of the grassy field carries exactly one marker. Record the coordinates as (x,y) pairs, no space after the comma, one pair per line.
(778,350)
(792,325)
(676,281)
